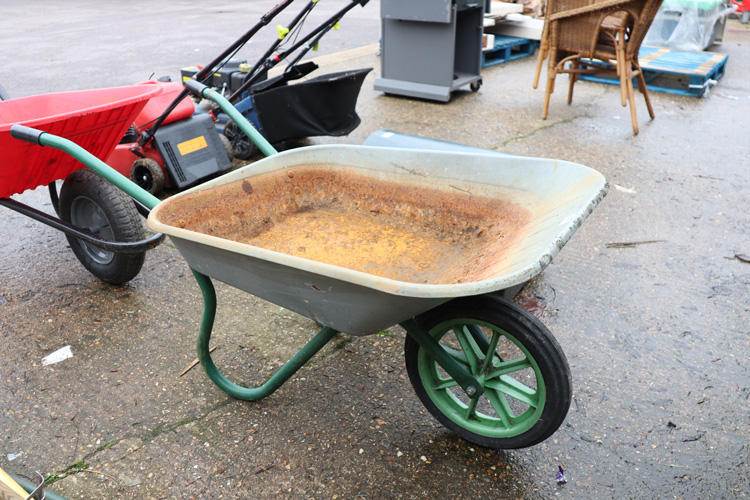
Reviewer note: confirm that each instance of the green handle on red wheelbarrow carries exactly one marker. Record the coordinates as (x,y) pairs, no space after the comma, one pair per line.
(41,138)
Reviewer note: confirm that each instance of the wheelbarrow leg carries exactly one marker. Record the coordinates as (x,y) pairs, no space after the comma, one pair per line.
(277,380)
(466,380)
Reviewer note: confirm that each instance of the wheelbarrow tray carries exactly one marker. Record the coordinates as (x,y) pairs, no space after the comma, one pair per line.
(360,238)
(95,119)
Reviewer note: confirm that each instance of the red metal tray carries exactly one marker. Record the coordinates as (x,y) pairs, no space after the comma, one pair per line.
(94,119)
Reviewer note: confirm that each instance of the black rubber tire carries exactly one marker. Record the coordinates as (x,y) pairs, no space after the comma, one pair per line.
(147,174)
(243,147)
(475,86)
(540,346)
(90,202)
(227,146)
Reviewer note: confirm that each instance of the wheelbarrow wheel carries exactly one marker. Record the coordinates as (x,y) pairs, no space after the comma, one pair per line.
(526,378)
(243,147)
(90,202)
(148,175)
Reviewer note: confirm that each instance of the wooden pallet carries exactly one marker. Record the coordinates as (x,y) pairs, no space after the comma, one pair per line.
(508,48)
(675,71)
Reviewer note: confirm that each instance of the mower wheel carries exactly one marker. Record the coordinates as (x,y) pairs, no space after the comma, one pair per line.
(147,174)
(227,146)
(243,147)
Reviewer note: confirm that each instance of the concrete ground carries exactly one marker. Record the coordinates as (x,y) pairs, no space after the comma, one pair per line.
(649,300)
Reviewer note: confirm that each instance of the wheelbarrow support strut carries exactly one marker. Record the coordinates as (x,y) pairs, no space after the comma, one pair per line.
(285,372)
(470,385)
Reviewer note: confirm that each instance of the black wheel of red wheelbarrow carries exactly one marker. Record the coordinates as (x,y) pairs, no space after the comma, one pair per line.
(90,202)
(526,378)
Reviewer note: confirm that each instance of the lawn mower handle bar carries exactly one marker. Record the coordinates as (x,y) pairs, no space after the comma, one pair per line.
(253,75)
(270,62)
(264,20)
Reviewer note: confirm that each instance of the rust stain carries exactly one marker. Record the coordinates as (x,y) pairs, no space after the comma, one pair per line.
(534,305)
(404,232)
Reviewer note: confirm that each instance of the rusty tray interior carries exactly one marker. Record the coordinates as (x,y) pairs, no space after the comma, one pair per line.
(360,238)
(404,232)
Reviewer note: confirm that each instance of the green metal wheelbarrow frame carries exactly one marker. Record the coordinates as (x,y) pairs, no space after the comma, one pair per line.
(465,380)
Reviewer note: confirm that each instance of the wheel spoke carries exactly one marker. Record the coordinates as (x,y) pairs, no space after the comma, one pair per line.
(470,348)
(509,367)
(515,389)
(501,407)
(476,333)
(490,354)
(471,411)
(446,383)
(458,356)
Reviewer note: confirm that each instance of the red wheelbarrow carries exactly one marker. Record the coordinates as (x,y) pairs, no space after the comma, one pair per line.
(101,223)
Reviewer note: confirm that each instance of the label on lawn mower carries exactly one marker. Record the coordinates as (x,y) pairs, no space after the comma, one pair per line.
(192,145)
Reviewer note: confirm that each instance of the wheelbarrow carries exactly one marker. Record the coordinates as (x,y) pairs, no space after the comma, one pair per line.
(361,238)
(101,223)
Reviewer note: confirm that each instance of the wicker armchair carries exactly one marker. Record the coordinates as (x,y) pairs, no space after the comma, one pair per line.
(609,31)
